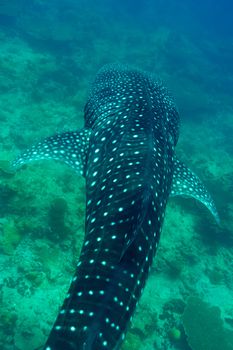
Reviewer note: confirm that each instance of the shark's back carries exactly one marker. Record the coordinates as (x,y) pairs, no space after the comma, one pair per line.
(126,153)
(128,180)
(124,94)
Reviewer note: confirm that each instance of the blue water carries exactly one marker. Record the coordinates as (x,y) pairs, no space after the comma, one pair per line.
(50,52)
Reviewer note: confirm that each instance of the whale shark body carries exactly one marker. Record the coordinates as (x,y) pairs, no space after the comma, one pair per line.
(126,154)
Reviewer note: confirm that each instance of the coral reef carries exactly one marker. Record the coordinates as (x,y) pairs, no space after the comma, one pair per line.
(56,218)
(204,326)
(10,237)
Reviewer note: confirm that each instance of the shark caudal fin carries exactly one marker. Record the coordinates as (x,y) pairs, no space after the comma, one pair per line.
(186,183)
(69,147)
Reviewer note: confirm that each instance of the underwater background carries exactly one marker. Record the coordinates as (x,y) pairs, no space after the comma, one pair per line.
(50,52)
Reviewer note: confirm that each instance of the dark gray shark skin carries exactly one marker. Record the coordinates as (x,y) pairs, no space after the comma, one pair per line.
(126,154)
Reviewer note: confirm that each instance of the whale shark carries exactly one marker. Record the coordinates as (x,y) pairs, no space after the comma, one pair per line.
(126,153)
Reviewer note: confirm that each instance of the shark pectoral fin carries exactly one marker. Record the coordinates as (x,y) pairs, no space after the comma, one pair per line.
(69,147)
(186,183)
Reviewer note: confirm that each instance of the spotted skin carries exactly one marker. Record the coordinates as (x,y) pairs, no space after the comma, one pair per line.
(126,153)
(186,183)
(69,147)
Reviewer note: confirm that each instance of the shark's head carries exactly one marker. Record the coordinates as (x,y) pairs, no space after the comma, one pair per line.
(126,153)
